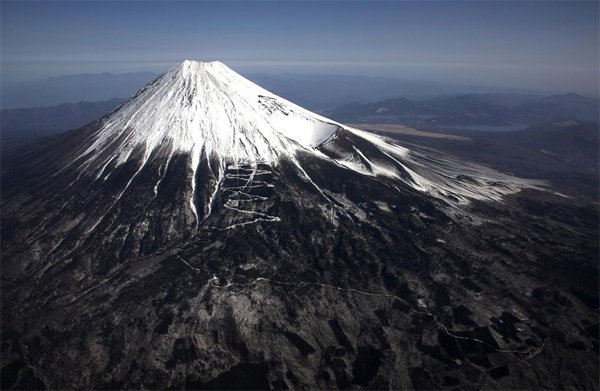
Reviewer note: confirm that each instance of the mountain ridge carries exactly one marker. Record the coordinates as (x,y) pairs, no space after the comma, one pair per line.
(471,109)
(181,139)
(313,91)
(133,258)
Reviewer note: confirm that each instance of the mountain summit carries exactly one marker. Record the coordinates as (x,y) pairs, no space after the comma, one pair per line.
(206,108)
(167,162)
(208,234)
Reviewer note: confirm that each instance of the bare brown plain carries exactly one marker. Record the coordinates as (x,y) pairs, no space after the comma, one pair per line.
(406,130)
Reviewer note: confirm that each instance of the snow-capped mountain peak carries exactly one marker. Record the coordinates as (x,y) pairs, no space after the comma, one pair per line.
(205,107)
(201,125)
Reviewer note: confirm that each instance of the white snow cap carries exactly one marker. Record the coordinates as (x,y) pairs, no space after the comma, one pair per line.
(207,106)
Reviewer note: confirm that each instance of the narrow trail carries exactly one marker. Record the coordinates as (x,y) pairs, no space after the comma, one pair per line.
(535,352)
(241,199)
(445,328)
(528,354)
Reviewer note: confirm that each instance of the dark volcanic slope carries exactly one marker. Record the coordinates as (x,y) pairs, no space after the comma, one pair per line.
(297,274)
(392,293)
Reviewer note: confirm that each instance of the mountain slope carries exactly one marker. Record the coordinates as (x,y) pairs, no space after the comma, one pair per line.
(182,135)
(209,234)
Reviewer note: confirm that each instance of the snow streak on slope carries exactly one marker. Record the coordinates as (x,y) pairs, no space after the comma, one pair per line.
(206,111)
(207,106)
(202,109)
(442,176)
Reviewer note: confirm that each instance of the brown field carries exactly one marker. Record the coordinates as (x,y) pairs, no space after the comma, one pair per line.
(406,130)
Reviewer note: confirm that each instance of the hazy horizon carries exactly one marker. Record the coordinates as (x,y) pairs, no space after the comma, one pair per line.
(550,46)
(298,73)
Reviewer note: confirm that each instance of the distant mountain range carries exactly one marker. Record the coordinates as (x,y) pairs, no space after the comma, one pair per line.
(323,92)
(454,111)
(316,92)
(24,125)
(72,88)
(34,109)
(471,110)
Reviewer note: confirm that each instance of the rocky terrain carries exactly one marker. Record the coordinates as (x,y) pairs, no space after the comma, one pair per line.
(343,260)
